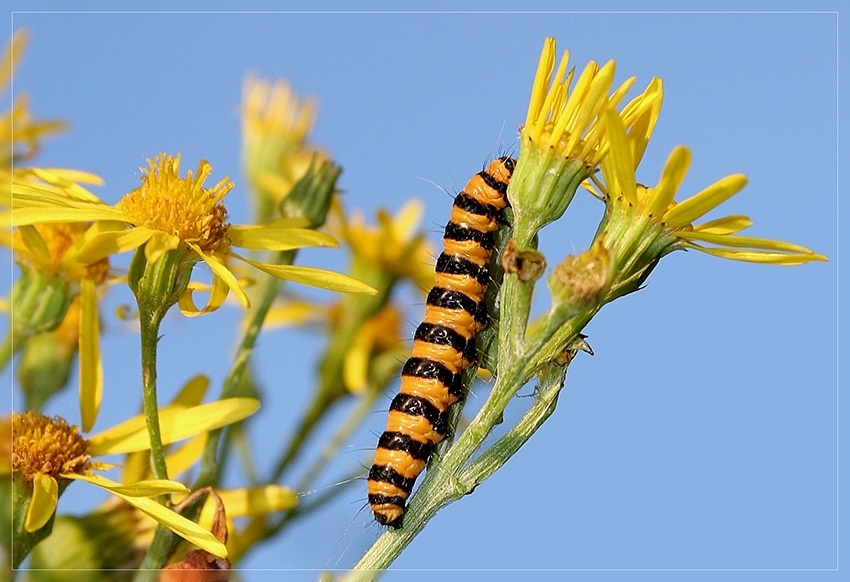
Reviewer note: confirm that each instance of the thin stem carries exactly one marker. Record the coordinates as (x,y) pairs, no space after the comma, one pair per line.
(209,473)
(149,330)
(8,349)
(161,546)
(551,382)
(331,449)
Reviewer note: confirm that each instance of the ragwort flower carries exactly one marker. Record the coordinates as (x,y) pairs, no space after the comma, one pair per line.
(168,213)
(563,139)
(52,278)
(644,223)
(20,134)
(276,153)
(47,454)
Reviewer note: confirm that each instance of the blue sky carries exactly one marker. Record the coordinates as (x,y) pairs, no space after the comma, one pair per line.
(703,433)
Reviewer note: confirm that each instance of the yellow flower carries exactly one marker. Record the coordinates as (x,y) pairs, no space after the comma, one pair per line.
(276,125)
(50,263)
(563,139)
(19,132)
(128,531)
(394,246)
(167,213)
(567,120)
(643,223)
(47,455)
(369,327)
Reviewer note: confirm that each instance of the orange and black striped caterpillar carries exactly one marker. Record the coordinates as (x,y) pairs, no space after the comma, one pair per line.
(444,344)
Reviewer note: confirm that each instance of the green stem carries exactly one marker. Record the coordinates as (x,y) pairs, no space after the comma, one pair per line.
(442,484)
(160,547)
(551,382)
(8,349)
(149,321)
(356,310)
(209,473)
(165,542)
(331,449)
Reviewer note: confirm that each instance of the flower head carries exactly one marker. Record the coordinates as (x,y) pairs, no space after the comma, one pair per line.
(47,454)
(179,209)
(48,446)
(171,213)
(53,279)
(564,120)
(51,249)
(643,223)
(393,246)
(564,140)
(276,125)
(20,134)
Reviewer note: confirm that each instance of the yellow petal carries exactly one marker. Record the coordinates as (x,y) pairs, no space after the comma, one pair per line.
(219,268)
(29,193)
(591,104)
(175,424)
(45,495)
(540,86)
(618,166)
(186,456)
(725,225)
(218,294)
(408,218)
(253,501)
(186,529)
(158,244)
(91,370)
(63,181)
(288,222)
(192,392)
(12,55)
(110,241)
(703,202)
(644,117)
(672,176)
(750,242)
(136,466)
(296,312)
(70,176)
(148,488)
(313,277)
(36,215)
(355,367)
(183,527)
(751,256)
(35,244)
(272,238)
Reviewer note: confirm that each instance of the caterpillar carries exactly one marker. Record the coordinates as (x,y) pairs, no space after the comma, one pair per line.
(443,346)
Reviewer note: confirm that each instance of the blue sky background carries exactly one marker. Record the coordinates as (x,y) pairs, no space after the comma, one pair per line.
(703,434)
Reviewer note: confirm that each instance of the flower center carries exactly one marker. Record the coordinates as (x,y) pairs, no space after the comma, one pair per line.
(180,207)
(46,445)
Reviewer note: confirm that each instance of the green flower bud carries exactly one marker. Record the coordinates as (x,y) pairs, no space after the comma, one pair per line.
(39,303)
